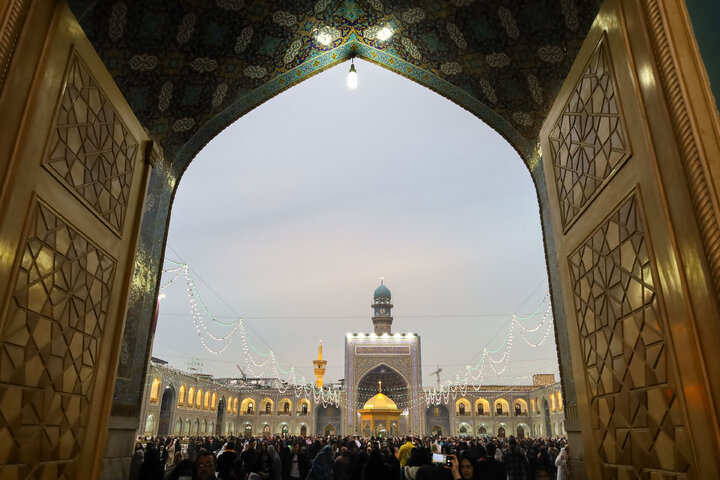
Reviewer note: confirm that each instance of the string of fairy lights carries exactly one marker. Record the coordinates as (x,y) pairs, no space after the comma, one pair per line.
(492,363)
(202,317)
(473,376)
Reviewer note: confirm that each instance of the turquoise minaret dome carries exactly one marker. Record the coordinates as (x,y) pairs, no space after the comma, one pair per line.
(382,291)
(382,319)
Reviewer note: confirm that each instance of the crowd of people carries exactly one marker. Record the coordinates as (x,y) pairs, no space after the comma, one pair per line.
(350,458)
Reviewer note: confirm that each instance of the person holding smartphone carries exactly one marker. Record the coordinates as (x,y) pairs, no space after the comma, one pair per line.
(462,469)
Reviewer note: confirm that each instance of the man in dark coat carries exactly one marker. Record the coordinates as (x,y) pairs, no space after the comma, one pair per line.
(226,460)
(515,461)
(490,468)
(251,457)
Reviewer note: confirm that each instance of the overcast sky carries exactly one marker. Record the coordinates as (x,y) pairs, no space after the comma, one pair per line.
(291,215)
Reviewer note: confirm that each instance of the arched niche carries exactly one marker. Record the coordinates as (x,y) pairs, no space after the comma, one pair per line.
(394,385)
(462,407)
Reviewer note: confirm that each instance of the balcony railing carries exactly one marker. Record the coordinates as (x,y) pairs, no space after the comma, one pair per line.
(483,414)
(462,414)
(502,414)
(285,413)
(247,413)
(521,414)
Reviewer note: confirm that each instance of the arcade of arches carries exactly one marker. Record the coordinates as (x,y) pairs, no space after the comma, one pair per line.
(608,103)
(229,411)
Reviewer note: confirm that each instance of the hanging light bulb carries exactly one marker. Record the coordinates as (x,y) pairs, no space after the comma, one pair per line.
(352,80)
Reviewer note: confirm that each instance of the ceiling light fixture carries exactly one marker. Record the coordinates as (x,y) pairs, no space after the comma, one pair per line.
(384,34)
(352,78)
(324,37)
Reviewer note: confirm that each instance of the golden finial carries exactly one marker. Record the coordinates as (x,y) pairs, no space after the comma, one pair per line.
(379,386)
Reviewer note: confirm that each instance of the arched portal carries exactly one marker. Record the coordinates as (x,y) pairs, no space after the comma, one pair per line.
(464,429)
(437,416)
(643,168)
(154,390)
(328,415)
(482,407)
(167,405)
(394,385)
(150,425)
(462,406)
(303,431)
(546,417)
(220,415)
(248,406)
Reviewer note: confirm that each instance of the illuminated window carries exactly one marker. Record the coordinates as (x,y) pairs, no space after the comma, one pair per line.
(213,401)
(267,407)
(461,409)
(304,408)
(206,404)
(286,407)
(191,397)
(198,398)
(559,400)
(181,396)
(250,407)
(154,390)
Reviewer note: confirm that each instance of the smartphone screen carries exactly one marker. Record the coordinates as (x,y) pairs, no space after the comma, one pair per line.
(439,458)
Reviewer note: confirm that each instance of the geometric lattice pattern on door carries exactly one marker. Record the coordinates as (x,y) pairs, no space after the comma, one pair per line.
(638,420)
(51,342)
(588,142)
(92,151)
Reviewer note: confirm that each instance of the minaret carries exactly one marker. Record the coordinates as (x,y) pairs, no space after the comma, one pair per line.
(382,305)
(319,368)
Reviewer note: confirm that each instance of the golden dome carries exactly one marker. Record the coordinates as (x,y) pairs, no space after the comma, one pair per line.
(380,402)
